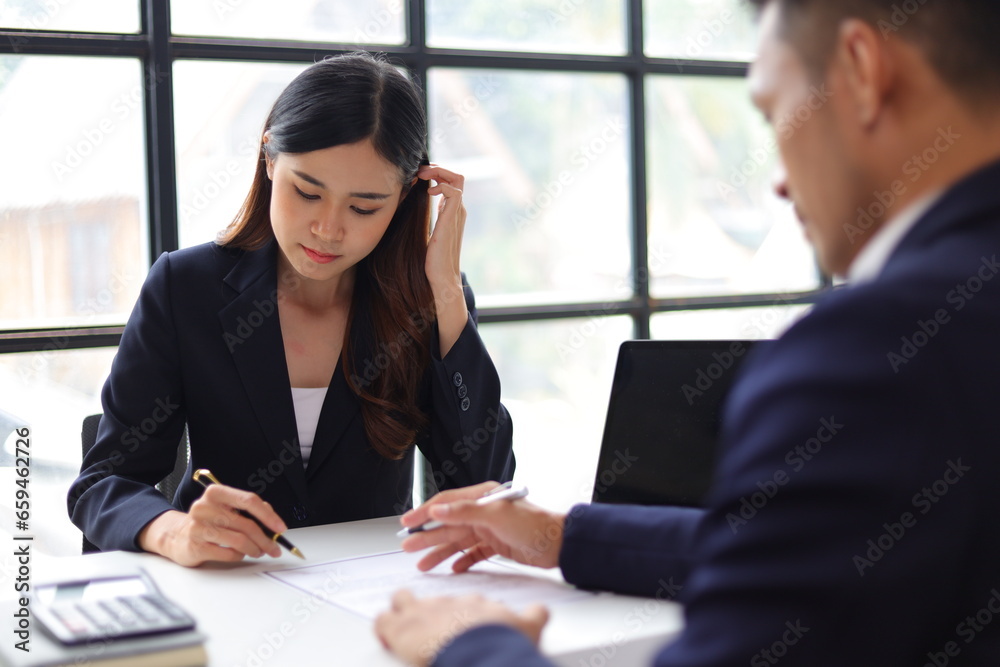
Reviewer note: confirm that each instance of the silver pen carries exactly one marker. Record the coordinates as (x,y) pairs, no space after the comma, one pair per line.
(503,492)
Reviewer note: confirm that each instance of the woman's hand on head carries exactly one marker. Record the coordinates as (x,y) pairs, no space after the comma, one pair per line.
(445,247)
(444,250)
(213,530)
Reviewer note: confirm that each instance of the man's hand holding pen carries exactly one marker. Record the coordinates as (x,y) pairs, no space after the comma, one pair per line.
(514,529)
(214,530)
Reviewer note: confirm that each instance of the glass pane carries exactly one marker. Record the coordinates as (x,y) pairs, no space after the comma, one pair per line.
(726,323)
(49,393)
(220,108)
(545,160)
(76,15)
(699,29)
(356,22)
(715,224)
(556,380)
(73,218)
(546,26)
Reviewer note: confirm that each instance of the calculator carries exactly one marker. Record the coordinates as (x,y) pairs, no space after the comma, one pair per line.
(106,608)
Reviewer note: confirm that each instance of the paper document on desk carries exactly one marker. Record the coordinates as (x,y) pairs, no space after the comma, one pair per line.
(365,585)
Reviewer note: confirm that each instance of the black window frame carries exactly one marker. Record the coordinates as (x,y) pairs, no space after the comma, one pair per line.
(157,49)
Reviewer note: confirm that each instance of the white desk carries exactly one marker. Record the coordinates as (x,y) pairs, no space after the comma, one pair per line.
(252,621)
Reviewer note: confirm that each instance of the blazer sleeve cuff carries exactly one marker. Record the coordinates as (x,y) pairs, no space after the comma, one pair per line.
(491,646)
(629,549)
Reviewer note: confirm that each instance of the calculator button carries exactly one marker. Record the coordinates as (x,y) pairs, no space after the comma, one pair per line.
(72,620)
(121,613)
(143,610)
(167,608)
(98,615)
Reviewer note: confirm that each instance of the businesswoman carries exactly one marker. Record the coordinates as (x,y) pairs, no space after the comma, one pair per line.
(324,336)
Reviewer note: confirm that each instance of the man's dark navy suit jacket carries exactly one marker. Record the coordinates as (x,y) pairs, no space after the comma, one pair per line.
(203,346)
(854,517)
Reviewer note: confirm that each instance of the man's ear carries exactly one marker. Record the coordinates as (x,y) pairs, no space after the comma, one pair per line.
(866,63)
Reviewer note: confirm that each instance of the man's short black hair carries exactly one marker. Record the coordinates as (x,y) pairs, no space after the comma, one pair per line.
(959,37)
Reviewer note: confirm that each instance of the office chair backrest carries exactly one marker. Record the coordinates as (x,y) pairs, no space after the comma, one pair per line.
(167,486)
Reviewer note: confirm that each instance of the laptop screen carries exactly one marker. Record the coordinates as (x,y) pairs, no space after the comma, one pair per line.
(663,420)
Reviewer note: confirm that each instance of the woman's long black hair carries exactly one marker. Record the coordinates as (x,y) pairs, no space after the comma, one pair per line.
(344,100)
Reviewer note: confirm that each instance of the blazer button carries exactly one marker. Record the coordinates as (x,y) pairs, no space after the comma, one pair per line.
(465,404)
(463,391)
(300,513)
(457,379)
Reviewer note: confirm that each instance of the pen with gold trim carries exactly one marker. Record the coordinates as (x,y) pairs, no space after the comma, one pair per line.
(206,479)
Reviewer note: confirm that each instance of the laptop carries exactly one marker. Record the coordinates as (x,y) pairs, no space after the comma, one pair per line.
(663,420)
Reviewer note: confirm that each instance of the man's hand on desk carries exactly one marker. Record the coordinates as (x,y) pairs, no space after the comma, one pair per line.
(514,529)
(416,630)
(212,530)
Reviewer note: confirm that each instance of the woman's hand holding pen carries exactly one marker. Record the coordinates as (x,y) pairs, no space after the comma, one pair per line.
(444,252)
(517,530)
(212,530)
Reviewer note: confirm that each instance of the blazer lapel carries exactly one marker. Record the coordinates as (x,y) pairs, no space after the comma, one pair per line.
(972,200)
(340,408)
(252,333)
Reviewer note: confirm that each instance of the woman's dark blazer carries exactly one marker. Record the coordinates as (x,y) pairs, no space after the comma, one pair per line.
(203,347)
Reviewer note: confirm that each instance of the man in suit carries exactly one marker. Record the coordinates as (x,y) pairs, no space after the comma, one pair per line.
(852,521)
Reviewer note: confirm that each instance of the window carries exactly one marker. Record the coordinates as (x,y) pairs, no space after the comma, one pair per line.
(617,182)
